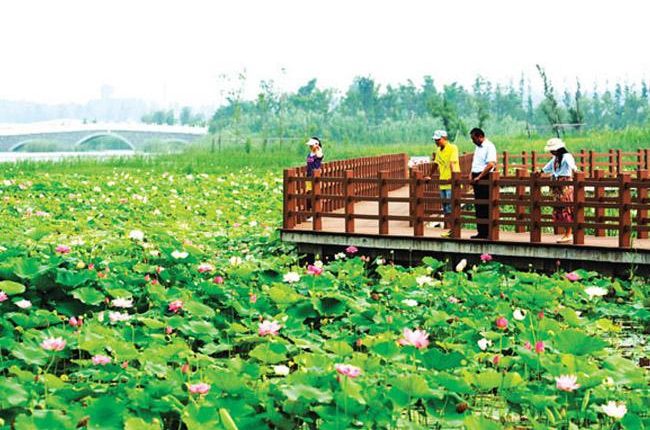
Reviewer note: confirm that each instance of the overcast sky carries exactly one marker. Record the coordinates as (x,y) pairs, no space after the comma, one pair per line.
(175,51)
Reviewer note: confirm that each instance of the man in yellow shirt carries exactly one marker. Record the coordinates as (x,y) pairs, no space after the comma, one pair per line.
(447,161)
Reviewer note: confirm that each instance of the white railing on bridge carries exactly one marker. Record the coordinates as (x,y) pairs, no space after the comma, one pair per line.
(69,126)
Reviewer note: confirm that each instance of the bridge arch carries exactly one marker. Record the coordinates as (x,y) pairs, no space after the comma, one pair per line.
(17,146)
(101,134)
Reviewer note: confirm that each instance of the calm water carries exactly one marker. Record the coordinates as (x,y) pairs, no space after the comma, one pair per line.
(13,157)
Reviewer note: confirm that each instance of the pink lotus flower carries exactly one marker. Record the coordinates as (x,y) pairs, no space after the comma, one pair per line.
(218,280)
(268,328)
(91,266)
(572,276)
(100,359)
(453,299)
(486,257)
(76,322)
(539,347)
(124,364)
(175,306)
(348,370)
(53,344)
(314,270)
(205,267)
(253,298)
(528,346)
(62,249)
(200,388)
(351,249)
(567,383)
(496,359)
(3,296)
(169,330)
(540,315)
(502,323)
(185,368)
(417,338)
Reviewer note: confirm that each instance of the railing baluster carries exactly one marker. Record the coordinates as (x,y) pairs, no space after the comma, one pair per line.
(383,204)
(520,210)
(289,203)
(599,195)
(535,208)
(578,208)
(493,214)
(624,212)
(418,205)
(348,191)
(642,193)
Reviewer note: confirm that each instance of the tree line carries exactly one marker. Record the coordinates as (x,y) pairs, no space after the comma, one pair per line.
(407,112)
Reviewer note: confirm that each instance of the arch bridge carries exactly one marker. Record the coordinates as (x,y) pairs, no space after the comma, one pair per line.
(73,135)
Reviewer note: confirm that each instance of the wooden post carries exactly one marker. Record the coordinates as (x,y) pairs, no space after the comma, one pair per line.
(317,222)
(456,192)
(642,194)
(647,159)
(348,191)
(535,208)
(578,208)
(619,161)
(639,161)
(383,204)
(405,172)
(288,202)
(417,187)
(524,160)
(493,215)
(520,210)
(534,162)
(612,163)
(624,212)
(599,194)
(584,157)
(592,160)
(506,162)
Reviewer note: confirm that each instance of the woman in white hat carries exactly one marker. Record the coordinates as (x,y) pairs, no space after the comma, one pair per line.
(561,168)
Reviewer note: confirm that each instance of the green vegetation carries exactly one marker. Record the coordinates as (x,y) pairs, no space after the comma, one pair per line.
(155,293)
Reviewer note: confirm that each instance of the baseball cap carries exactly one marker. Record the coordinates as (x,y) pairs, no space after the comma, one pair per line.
(439,134)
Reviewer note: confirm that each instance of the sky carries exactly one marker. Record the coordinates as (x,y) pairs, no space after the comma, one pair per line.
(190,52)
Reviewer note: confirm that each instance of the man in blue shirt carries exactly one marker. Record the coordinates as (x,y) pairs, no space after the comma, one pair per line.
(483,163)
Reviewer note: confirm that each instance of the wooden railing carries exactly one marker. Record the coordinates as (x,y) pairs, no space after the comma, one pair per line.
(604,203)
(300,199)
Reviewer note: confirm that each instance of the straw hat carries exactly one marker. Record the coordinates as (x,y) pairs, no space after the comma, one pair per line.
(554,144)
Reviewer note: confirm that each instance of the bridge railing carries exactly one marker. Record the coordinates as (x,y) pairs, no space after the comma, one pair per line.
(298,197)
(604,204)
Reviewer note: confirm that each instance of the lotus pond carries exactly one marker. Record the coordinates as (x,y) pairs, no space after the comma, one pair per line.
(143,299)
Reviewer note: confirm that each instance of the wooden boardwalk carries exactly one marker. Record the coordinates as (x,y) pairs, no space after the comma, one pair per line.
(402,228)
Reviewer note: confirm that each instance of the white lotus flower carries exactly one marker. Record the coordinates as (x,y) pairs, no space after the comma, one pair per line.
(291,277)
(136,235)
(340,256)
(595,292)
(118,316)
(122,303)
(484,343)
(281,370)
(235,260)
(424,280)
(23,304)
(180,255)
(519,315)
(410,302)
(615,410)
(461,265)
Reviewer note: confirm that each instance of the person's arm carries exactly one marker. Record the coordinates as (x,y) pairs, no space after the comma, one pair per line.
(549,166)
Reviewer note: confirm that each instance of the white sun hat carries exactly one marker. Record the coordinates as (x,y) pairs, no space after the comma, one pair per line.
(554,144)
(439,134)
(313,141)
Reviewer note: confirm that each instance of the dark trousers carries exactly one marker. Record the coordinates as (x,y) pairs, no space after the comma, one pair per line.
(481,192)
